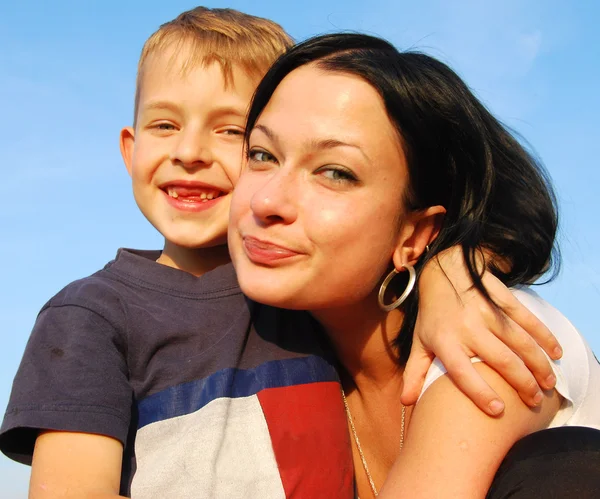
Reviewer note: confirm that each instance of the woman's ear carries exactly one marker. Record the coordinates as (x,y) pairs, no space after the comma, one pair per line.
(418,231)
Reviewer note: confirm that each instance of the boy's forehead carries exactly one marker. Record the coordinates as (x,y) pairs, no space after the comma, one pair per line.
(179,66)
(173,57)
(180,59)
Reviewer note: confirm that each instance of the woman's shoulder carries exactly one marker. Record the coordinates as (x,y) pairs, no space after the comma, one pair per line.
(561,327)
(577,372)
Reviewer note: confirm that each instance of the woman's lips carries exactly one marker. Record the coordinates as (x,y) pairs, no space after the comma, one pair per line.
(265,252)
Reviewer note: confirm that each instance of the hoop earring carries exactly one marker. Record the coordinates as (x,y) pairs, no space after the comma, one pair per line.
(412,278)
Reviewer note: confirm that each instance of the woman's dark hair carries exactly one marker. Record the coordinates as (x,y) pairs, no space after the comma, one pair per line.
(497,196)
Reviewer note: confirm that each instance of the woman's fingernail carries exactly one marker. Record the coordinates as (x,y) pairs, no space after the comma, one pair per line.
(496,407)
(557,353)
(537,399)
(551,381)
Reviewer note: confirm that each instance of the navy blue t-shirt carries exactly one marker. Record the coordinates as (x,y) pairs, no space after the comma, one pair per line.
(209,393)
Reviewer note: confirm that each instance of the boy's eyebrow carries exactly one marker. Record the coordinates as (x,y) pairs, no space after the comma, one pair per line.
(226,110)
(314,144)
(171,106)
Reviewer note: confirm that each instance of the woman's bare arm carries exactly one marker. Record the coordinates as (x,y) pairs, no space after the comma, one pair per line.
(453,449)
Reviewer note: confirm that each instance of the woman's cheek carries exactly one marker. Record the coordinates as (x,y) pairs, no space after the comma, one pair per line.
(329,217)
(364,237)
(239,202)
(342,221)
(248,186)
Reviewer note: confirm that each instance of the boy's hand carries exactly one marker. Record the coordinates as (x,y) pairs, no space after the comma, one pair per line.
(456,323)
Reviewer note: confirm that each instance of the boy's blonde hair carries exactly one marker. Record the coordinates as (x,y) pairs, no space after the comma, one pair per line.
(225,36)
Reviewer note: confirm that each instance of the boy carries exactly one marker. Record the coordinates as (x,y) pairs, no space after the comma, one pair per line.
(144,352)
(155,377)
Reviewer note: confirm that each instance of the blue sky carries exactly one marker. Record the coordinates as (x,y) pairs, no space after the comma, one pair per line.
(67,72)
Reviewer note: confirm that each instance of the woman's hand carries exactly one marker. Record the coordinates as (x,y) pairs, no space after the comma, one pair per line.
(456,322)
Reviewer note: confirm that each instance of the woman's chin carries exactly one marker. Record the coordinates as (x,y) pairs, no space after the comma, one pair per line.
(271,298)
(276,295)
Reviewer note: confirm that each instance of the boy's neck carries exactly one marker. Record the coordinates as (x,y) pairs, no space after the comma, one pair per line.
(196,261)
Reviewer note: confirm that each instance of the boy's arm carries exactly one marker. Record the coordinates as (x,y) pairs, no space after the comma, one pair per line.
(456,323)
(75,465)
(452,449)
(71,388)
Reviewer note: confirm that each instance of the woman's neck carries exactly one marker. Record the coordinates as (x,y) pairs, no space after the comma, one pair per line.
(362,337)
(196,261)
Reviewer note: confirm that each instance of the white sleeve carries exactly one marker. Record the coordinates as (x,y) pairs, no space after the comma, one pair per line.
(577,372)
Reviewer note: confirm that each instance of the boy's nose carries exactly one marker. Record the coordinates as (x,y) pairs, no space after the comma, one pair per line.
(191,152)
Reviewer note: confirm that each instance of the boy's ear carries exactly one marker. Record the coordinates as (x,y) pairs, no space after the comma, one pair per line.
(420,229)
(126,143)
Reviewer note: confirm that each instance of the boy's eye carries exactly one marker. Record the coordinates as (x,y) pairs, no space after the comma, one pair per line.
(233,131)
(165,126)
(261,156)
(337,174)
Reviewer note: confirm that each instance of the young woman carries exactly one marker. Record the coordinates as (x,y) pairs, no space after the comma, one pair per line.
(363,163)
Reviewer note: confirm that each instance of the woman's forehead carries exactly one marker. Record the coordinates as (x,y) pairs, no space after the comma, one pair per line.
(314,104)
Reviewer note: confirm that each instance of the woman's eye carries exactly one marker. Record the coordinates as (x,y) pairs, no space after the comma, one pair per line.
(337,174)
(261,156)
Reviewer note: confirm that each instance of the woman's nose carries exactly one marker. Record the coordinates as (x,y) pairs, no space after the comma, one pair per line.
(274,202)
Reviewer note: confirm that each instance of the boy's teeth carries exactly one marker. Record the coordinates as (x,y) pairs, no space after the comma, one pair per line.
(187,196)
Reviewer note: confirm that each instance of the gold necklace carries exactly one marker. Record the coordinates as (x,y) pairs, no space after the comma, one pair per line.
(360,451)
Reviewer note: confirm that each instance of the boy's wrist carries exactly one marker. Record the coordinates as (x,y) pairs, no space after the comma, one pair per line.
(451,263)
(443,264)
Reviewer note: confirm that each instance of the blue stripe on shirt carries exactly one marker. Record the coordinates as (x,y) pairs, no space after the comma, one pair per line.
(233,383)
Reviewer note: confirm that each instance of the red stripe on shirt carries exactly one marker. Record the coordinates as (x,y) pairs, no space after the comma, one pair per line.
(309,432)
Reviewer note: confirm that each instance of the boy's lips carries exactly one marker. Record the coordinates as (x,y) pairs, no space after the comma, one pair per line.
(191,196)
(265,252)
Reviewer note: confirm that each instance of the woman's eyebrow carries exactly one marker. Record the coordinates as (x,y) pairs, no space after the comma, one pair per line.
(268,132)
(314,144)
(333,143)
